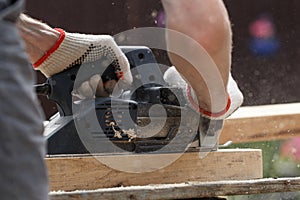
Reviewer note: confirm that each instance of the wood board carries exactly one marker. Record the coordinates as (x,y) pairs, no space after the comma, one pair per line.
(188,190)
(262,123)
(87,173)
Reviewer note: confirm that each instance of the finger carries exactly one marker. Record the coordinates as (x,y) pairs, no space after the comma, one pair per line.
(98,87)
(109,86)
(94,81)
(118,89)
(85,90)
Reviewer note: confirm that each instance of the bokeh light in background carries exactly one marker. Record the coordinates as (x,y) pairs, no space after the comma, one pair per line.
(159,17)
(291,149)
(263,39)
(286,162)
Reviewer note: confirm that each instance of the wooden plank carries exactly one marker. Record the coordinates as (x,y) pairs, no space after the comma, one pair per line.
(262,123)
(186,190)
(86,172)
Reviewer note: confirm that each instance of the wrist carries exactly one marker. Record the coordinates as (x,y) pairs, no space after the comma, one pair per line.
(38,37)
(204,110)
(54,44)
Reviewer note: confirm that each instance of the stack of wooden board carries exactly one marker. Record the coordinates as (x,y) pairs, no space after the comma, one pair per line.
(222,172)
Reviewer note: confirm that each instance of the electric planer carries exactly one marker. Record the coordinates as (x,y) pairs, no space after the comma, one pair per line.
(150,116)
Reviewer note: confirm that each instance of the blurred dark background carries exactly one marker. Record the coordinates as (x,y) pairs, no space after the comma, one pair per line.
(266,52)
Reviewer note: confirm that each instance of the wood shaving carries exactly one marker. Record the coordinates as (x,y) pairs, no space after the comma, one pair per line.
(130,133)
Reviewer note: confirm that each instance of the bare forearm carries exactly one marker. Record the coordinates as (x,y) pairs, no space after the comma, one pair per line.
(38,37)
(206,22)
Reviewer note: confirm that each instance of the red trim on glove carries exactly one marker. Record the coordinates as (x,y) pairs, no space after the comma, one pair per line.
(52,49)
(205,112)
(120,75)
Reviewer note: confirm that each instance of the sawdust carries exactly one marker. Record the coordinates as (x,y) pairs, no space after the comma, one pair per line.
(118,134)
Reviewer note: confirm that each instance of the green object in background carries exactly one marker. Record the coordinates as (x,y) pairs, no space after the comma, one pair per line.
(274,165)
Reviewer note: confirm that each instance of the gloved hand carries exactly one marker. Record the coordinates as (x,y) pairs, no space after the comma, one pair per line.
(74,48)
(173,78)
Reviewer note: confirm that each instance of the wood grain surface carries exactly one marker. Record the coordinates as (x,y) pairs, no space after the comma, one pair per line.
(87,172)
(262,123)
(190,190)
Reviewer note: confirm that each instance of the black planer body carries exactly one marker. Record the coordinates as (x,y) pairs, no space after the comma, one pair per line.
(148,117)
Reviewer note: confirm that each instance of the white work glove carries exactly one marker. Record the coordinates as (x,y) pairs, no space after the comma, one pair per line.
(173,78)
(74,48)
